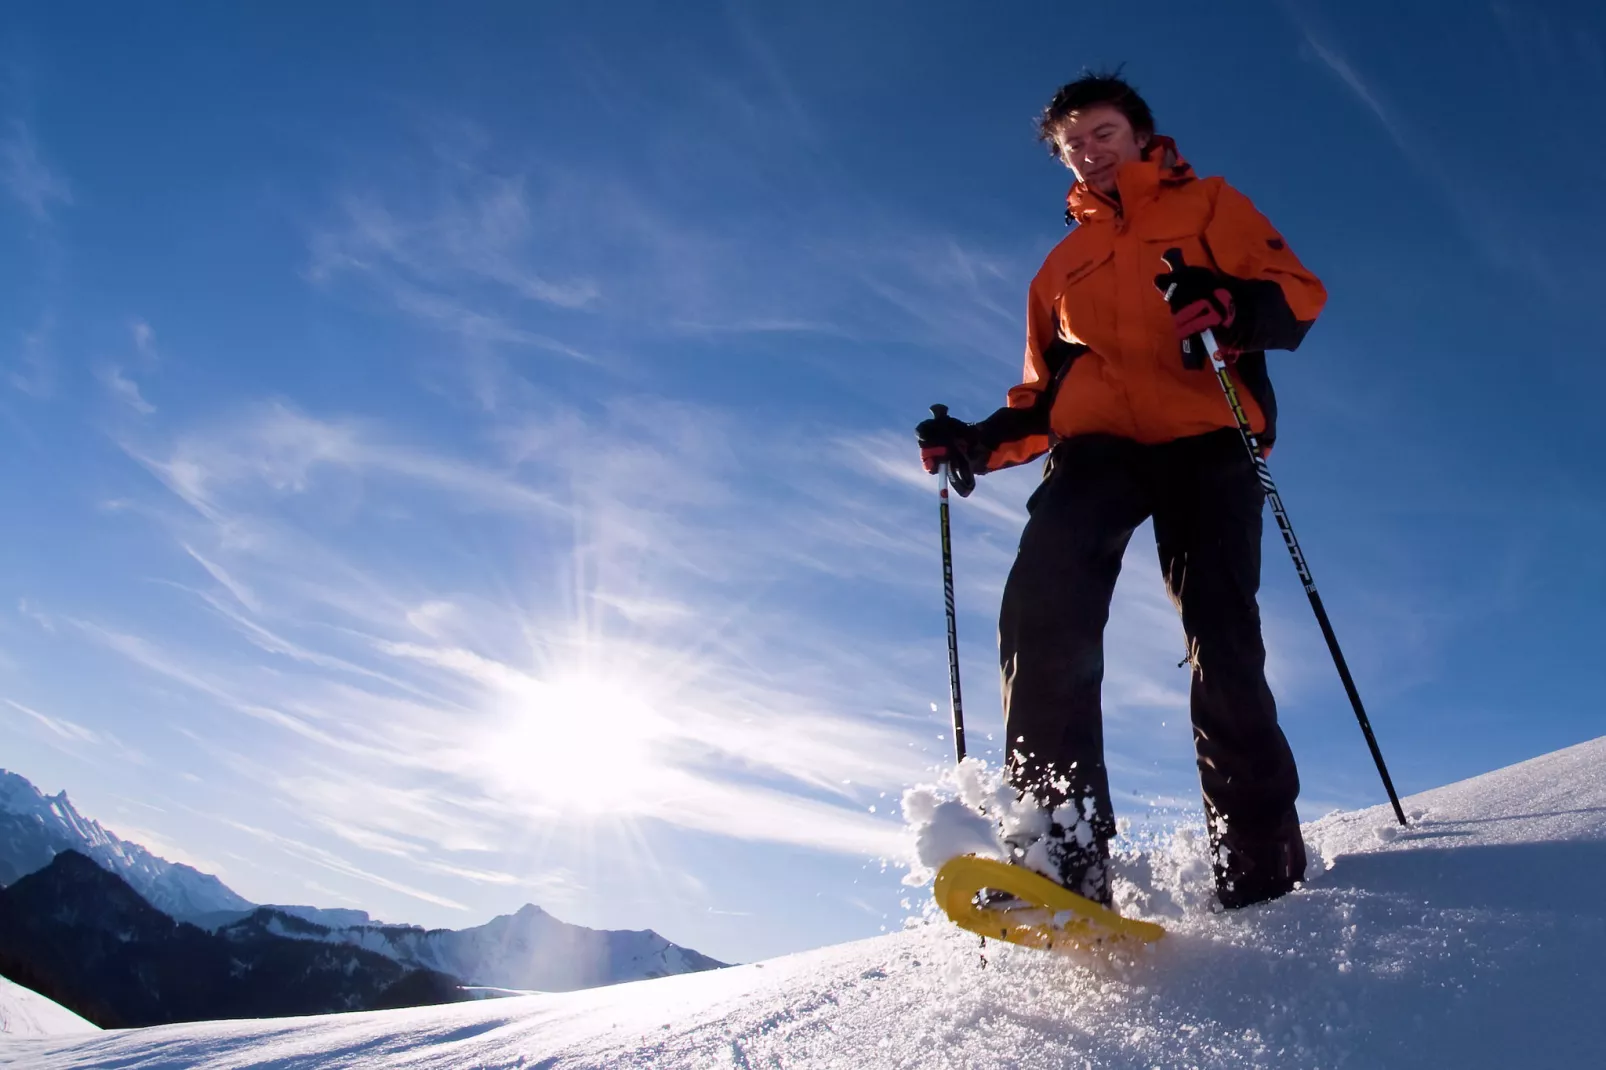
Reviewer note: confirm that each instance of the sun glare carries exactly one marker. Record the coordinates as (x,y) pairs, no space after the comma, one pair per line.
(580,742)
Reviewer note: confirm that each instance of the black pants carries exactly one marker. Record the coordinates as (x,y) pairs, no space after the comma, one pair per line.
(1206,503)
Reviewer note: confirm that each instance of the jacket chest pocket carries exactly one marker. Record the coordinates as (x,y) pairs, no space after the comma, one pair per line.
(1085,300)
(1175,223)
(1194,251)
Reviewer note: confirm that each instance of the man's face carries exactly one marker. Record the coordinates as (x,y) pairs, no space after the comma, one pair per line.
(1096,142)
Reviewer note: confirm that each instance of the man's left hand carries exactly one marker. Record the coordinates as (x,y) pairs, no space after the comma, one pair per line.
(1199,299)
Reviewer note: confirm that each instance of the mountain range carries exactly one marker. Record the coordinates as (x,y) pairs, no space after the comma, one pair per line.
(526,950)
(530,950)
(81,936)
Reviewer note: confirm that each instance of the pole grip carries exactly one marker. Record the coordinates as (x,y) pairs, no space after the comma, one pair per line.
(957,467)
(1195,348)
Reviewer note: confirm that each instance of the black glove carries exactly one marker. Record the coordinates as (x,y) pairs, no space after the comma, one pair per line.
(945,440)
(1200,300)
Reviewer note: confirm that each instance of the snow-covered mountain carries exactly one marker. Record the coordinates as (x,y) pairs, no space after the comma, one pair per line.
(1473,940)
(35,827)
(533,950)
(529,951)
(25,1013)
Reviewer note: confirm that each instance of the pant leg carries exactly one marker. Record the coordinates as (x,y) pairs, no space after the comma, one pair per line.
(1051,624)
(1207,525)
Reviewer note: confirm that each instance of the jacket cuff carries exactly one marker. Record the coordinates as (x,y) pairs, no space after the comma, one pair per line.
(1263,320)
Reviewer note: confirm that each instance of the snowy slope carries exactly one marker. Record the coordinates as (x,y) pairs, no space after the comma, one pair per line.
(1477,939)
(35,827)
(25,1013)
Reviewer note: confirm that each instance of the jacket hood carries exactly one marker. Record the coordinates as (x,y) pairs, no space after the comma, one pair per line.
(1137,181)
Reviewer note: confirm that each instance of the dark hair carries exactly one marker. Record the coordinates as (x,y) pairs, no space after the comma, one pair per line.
(1089,91)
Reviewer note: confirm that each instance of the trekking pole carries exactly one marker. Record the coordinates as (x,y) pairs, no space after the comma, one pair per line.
(1207,339)
(939,411)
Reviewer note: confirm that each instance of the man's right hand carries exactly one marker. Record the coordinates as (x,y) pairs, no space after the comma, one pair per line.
(945,440)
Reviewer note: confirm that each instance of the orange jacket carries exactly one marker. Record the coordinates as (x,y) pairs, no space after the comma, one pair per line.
(1094,304)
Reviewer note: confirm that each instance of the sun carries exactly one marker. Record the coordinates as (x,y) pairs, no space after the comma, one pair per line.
(579,742)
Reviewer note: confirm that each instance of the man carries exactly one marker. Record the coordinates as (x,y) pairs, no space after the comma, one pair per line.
(1133,433)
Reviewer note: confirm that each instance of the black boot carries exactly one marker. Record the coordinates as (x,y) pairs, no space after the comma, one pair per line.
(1083,868)
(1256,867)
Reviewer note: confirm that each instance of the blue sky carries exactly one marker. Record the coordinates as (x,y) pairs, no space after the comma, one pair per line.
(461,456)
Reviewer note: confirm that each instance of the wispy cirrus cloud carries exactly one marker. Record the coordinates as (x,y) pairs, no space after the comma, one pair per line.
(38,189)
(144,337)
(338,863)
(115,377)
(124,389)
(1413,144)
(1551,59)
(27,176)
(481,229)
(465,256)
(33,370)
(70,737)
(281,449)
(510,253)
(64,730)
(239,591)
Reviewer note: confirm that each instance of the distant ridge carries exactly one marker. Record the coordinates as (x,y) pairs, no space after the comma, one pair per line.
(529,950)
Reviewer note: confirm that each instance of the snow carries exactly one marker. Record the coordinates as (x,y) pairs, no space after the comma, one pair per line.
(25,1013)
(980,815)
(1473,939)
